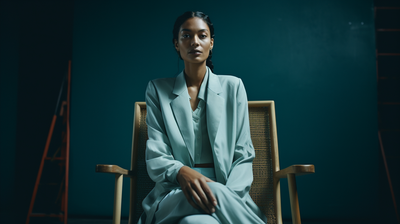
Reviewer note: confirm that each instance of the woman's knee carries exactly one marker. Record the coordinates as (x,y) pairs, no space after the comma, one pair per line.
(218,188)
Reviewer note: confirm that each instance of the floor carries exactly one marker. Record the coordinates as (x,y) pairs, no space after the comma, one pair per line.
(7,219)
(109,221)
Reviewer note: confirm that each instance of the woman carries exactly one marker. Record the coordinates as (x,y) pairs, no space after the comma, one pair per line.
(199,151)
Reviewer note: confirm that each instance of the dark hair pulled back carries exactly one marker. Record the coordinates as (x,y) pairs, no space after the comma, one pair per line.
(185,16)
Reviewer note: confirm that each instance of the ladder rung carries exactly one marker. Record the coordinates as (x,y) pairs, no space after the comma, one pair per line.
(54,158)
(49,183)
(46,215)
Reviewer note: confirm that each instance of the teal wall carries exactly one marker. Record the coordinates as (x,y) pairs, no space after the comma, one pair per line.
(315,58)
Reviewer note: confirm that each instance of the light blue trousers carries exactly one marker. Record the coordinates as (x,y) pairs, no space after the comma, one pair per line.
(174,208)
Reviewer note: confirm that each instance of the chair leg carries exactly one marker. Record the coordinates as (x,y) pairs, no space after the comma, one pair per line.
(294,199)
(117,199)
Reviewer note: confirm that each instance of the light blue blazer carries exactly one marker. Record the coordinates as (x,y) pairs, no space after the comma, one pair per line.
(171,139)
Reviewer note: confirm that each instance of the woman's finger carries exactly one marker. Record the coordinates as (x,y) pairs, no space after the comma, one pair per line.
(210,195)
(202,196)
(197,199)
(212,201)
(189,198)
(196,190)
(208,179)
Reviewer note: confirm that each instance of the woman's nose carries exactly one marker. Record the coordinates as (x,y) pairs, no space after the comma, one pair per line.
(195,40)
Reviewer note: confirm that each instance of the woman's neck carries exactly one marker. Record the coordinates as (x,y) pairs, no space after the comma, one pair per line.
(194,74)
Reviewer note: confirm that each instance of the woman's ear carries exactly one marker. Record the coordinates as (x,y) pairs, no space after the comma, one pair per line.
(212,43)
(176,45)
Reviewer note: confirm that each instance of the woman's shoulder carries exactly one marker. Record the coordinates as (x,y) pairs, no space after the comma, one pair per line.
(163,80)
(229,80)
(162,83)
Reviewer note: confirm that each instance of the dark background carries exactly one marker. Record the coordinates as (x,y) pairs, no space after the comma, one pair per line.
(315,58)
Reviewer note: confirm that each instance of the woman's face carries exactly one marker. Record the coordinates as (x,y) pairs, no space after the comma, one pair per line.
(194,41)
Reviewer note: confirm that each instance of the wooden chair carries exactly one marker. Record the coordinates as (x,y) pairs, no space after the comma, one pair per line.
(265,189)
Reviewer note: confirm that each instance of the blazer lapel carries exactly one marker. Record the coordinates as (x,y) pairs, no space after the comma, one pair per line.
(182,113)
(214,102)
(213,114)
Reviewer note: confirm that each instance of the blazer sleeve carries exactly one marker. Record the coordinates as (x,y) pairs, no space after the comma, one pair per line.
(160,162)
(241,173)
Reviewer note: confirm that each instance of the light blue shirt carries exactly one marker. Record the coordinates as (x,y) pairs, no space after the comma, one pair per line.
(202,146)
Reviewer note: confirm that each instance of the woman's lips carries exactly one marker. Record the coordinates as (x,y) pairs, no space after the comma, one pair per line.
(195,52)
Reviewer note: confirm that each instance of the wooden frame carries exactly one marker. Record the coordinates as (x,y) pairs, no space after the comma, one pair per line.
(290,172)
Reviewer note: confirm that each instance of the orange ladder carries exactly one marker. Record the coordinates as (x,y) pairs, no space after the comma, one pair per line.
(64,109)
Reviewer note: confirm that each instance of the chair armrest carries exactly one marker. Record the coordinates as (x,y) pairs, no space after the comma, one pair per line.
(296,170)
(101,168)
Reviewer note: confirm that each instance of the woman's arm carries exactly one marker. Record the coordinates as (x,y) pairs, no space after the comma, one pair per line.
(241,173)
(161,165)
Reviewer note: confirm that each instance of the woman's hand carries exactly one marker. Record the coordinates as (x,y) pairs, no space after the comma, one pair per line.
(194,186)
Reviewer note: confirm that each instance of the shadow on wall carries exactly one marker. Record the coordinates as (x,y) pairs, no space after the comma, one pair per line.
(36,45)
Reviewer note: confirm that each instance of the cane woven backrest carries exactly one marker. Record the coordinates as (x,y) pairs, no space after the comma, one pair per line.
(264,190)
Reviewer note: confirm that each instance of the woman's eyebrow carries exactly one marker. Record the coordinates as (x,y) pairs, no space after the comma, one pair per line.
(188,30)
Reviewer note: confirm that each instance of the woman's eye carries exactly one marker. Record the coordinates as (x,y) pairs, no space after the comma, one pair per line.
(185,35)
(203,36)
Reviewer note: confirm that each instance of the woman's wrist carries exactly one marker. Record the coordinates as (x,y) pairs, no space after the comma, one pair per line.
(182,169)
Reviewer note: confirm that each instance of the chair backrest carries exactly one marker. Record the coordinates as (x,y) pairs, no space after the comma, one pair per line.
(265,189)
